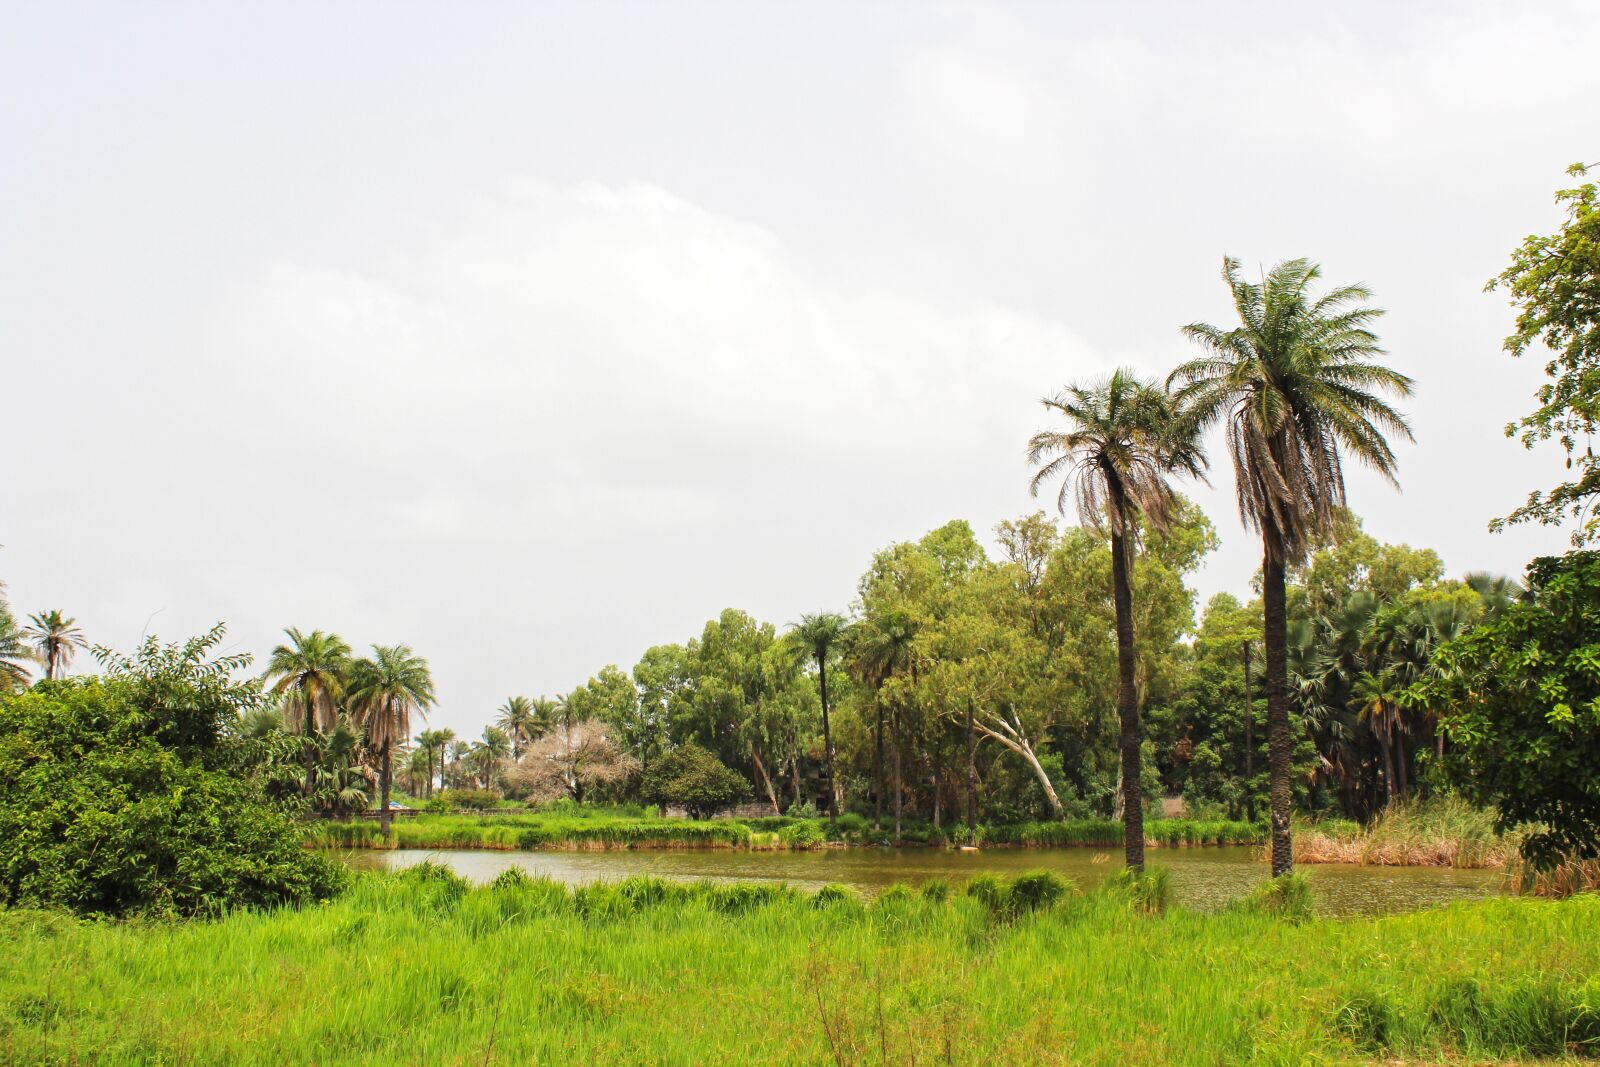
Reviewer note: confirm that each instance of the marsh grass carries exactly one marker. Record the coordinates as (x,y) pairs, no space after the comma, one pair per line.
(419,967)
(1440,832)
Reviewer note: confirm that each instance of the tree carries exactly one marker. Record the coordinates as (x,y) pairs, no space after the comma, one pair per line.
(820,636)
(54,638)
(570,761)
(1522,700)
(14,652)
(488,754)
(431,744)
(309,673)
(1294,385)
(386,691)
(695,780)
(138,793)
(1554,282)
(883,649)
(1123,438)
(517,720)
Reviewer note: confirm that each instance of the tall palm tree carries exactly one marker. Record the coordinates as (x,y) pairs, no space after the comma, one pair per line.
(543,718)
(489,753)
(55,639)
(308,672)
(430,742)
(1295,384)
(458,752)
(883,648)
(385,691)
(820,636)
(1123,438)
(14,651)
(517,720)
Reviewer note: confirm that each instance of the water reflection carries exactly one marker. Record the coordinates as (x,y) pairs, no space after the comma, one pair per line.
(1202,878)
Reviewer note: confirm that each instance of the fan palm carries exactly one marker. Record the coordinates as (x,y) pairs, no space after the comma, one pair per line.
(517,720)
(820,636)
(55,639)
(883,647)
(1295,385)
(385,691)
(1123,438)
(308,672)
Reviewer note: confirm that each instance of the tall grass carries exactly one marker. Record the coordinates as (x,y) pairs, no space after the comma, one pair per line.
(418,967)
(1106,833)
(1439,832)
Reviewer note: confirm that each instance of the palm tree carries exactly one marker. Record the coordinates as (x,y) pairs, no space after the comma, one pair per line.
(458,752)
(432,743)
(1295,385)
(883,648)
(14,651)
(488,753)
(385,691)
(1123,438)
(820,635)
(54,638)
(543,717)
(517,720)
(309,673)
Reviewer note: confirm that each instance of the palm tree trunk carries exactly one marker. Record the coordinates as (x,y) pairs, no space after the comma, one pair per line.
(311,748)
(1249,741)
(1127,707)
(877,767)
(1276,639)
(899,784)
(383,785)
(827,743)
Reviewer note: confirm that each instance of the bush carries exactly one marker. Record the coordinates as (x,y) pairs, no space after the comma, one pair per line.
(475,799)
(802,835)
(127,796)
(694,779)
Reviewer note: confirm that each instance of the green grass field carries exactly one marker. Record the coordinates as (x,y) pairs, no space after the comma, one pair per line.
(419,968)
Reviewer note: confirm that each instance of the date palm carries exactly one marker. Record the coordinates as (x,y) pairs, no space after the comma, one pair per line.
(820,635)
(1296,387)
(432,742)
(55,639)
(488,754)
(882,648)
(517,720)
(14,651)
(543,719)
(1123,439)
(385,691)
(308,672)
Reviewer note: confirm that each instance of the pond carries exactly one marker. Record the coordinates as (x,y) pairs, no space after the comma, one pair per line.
(1202,878)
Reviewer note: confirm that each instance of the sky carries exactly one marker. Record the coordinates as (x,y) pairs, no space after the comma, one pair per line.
(532,335)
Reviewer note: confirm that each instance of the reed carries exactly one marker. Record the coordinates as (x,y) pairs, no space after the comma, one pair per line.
(1441,832)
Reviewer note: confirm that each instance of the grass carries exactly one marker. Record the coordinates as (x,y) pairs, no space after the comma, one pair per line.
(1439,832)
(574,828)
(419,968)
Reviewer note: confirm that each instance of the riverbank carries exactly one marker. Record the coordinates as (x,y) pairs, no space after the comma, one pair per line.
(563,832)
(421,968)
(1438,833)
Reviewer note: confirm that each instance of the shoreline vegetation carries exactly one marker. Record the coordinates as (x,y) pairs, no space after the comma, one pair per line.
(424,967)
(1445,833)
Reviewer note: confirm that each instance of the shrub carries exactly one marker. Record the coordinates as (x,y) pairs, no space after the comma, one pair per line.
(802,835)
(129,795)
(475,799)
(1287,896)
(1148,893)
(836,896)
(1036,891)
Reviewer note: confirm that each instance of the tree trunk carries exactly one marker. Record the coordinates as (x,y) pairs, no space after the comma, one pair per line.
(766,781)
(1276,638)
(1249,741)
(938,785)
(899,783)
(877,766)
(794,775)
(383,786)
(827,743)
(1388,767)
(972,780)
(1399,744)
(1127,705)
(311,745)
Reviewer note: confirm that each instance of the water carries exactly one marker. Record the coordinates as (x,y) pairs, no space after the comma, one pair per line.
(1202,878)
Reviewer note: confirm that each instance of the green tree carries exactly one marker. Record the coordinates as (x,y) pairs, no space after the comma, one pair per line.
(14,652)
(309,673)
(1295,385)
(1554,282)
(820,636)
(54,638)
(386,691)
(1123,439)
(1522,700)
(693,779)
(431,743)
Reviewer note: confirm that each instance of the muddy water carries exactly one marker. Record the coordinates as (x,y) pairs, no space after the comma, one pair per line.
(1202,878)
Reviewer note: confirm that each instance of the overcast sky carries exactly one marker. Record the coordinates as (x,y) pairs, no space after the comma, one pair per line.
(533,335)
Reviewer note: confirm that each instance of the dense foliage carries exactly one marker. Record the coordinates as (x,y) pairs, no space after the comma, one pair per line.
(1523,694)
(693,779)
(134,793)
